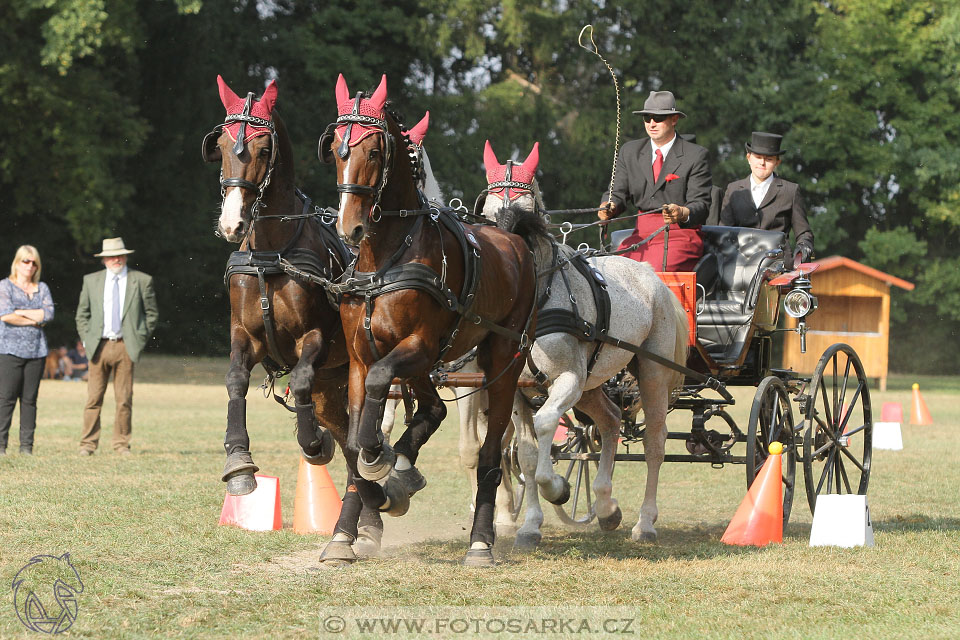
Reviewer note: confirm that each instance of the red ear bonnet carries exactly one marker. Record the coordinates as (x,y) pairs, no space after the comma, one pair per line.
(234,104)
(419,130)
(524,173)
(371,107)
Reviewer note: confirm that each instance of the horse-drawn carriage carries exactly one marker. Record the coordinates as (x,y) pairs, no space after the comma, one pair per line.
(426,287)
(742,285)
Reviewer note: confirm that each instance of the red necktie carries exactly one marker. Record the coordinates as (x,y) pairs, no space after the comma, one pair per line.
(657,165)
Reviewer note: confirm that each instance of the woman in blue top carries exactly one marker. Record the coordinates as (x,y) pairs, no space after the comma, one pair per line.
(25,306)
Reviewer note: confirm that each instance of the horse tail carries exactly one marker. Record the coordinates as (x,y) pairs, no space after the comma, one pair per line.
(681,335)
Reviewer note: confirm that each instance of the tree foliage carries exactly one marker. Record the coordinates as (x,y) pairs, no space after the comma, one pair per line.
(104,103)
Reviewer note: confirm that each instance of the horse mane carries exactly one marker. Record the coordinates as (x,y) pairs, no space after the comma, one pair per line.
(530,223)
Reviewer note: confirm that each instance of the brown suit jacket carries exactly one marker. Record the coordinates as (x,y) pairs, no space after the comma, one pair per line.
(634,185)
(781,209)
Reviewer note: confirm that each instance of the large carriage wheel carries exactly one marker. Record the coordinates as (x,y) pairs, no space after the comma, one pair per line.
(838,427)
(771,420)
(579,510)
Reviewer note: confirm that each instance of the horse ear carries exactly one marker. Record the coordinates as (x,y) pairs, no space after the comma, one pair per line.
(269,97)
(227,96)
(342,93)
(490,161)
(379,97)
(419,130)
(530,164)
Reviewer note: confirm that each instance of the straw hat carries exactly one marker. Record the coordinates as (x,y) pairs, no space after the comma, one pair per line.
(112,247)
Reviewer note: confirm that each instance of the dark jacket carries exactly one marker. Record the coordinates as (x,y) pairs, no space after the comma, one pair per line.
(781,209)
(634,188)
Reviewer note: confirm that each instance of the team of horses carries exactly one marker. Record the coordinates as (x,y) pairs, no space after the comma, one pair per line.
(390,286)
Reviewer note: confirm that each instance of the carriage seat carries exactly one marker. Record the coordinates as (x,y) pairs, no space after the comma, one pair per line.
(742,256)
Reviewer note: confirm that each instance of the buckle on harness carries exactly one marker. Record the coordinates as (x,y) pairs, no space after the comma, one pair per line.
(264,304)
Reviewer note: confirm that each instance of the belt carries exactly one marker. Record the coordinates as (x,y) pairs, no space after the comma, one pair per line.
(119,339)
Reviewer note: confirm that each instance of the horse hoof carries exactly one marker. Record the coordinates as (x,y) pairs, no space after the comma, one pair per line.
(326,447)
(241,484)
(479,558)
(367,544)
(413,479)
(612,521)
(378,469)
(399,498)
(564,494)
(238,462)
(338,554)
(644,536)
(527,542)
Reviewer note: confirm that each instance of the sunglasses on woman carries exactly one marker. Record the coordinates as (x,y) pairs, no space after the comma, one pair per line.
(28,261)
(648,117)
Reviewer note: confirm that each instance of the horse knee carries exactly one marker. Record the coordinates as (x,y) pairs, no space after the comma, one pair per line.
(469,454)
(237,381)
(301,383)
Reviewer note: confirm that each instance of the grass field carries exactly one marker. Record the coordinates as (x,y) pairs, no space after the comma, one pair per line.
(142,533)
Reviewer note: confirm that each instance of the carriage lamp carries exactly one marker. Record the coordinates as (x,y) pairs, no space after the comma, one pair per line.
(799,303)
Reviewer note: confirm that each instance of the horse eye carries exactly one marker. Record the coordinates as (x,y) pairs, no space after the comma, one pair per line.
(265,152)
(374,154)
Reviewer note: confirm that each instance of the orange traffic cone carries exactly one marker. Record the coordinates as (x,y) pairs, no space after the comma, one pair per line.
(759,518)
(918,412)
(257,511)
(316,506)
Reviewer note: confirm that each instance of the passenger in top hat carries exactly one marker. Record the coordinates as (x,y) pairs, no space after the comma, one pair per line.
(667,173)
(764,200)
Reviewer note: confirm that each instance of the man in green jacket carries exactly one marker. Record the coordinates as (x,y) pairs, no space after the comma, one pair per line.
(116,316)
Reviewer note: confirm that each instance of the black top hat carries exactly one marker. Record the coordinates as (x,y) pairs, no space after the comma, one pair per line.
(764,144)
(660,103)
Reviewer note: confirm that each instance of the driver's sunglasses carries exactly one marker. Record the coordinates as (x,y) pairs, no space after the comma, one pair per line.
(648,117)
(28,261)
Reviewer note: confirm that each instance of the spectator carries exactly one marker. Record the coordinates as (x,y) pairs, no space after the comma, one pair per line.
(667,173)
(79,364)
(25,307)
(116,316)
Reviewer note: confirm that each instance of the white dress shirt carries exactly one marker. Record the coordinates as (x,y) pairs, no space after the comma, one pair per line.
(665,149)
(108,331)
(759,190)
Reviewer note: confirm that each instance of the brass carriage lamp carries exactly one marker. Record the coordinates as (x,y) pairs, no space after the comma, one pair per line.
(800,303)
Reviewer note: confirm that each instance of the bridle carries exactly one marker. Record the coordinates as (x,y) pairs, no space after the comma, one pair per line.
(245,118)
(343,152)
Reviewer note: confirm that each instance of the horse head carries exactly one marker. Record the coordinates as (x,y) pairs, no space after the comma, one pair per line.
(246,145)
(363,143)
(512,196)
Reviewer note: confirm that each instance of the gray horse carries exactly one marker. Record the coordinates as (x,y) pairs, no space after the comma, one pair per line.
(643,312)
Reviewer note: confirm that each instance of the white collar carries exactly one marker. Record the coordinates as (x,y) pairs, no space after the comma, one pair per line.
(665,149)
(765,184)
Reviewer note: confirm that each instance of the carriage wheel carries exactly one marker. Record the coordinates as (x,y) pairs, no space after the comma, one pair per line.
(771,420)
(579,510)
(838,427)
(512,461)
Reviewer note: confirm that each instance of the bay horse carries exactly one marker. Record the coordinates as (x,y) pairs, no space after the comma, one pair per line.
(582,302)
(425,289)
(281,320)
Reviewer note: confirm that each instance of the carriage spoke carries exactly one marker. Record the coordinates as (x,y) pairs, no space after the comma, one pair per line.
(852,458)
(827,407)
(843,473)
(845,417)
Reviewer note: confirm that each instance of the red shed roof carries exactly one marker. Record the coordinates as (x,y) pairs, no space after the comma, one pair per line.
(839,261)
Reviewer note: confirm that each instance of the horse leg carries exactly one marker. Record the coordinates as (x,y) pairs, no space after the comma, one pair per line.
(652,382)
(606,416)
(472,410)
(505,522)
(529,535)
(359,528)
(500,395)
(564,393)
(239,467)
(430,413)
(316,441)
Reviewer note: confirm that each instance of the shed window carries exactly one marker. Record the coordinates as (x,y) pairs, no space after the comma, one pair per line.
(847,314)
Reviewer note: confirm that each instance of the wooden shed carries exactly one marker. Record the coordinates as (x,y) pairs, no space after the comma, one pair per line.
(853,307)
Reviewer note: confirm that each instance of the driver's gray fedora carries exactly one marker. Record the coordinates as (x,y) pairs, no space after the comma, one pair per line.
(660,103)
